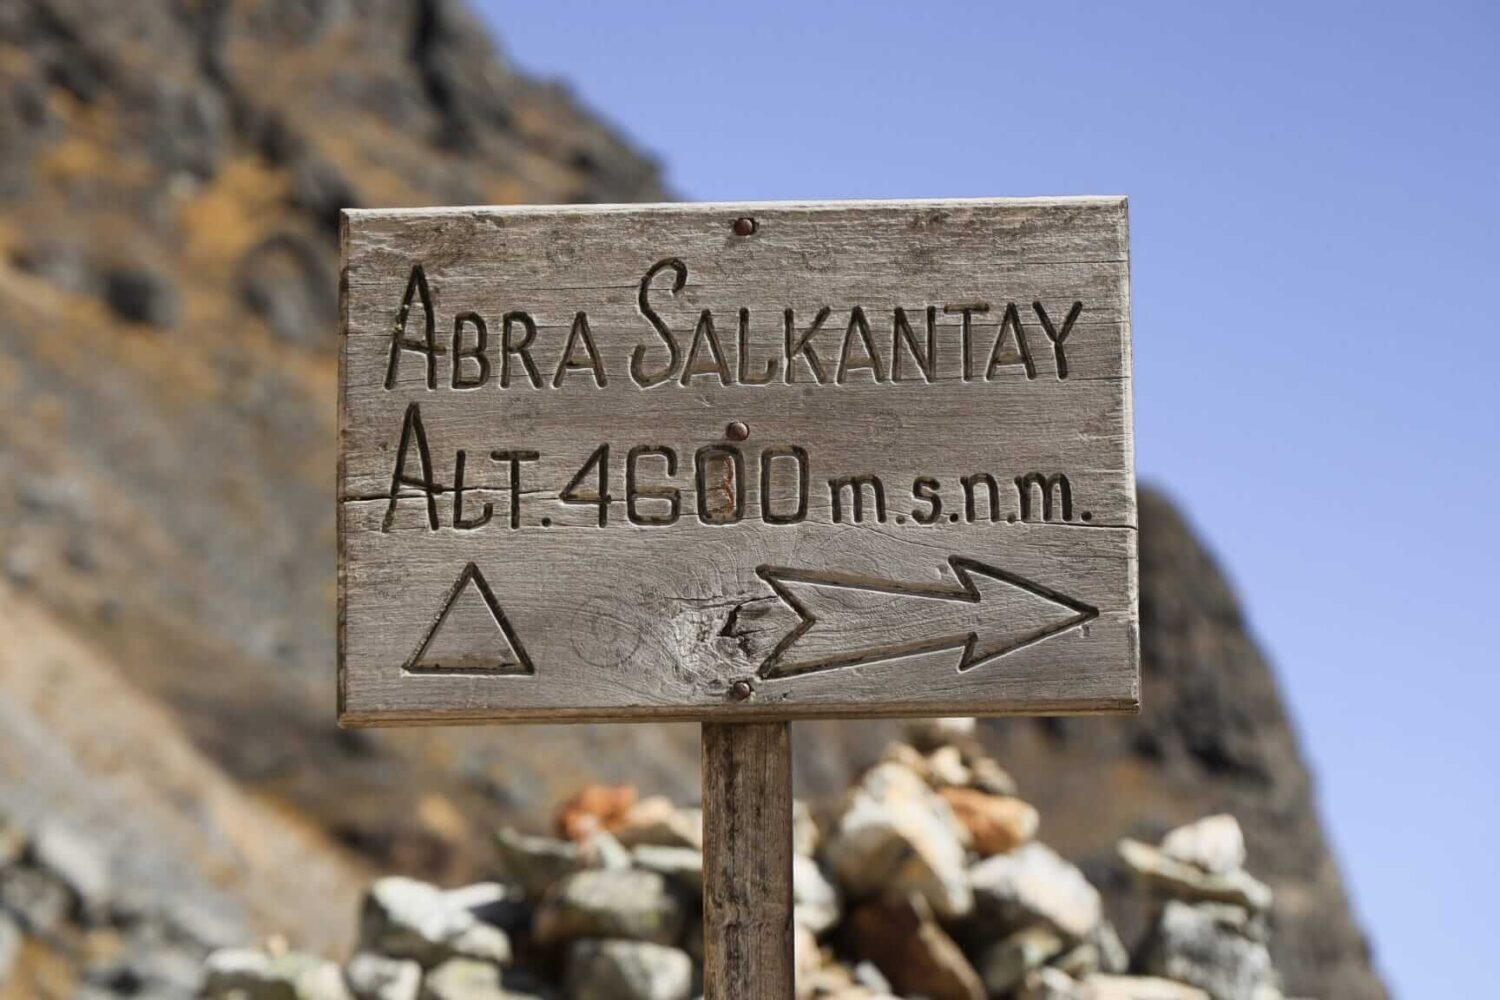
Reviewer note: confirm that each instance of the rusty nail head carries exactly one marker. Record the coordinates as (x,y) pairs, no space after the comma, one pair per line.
(737,431)
(745,226)
(740,690)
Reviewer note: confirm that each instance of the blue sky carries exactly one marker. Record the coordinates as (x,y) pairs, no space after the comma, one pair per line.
(1316,262)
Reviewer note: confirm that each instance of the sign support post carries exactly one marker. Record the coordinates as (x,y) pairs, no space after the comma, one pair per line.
(747,861)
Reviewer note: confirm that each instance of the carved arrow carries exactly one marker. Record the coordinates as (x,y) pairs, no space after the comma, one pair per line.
(848,620)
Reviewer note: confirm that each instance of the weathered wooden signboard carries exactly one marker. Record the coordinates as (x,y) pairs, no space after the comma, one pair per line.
(737,462)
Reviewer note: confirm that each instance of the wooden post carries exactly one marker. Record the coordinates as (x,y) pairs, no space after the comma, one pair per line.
(747,861)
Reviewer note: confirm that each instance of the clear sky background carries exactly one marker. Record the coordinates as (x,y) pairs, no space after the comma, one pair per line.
(1316,268)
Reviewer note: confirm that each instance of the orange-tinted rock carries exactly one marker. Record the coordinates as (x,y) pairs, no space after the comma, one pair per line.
(997,824)
(909,946)
(593,808)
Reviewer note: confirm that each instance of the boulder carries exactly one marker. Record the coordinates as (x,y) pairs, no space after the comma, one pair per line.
(904,941)
(1033,884)
(1215,845)
(815,901)
(77,862)
(494,903)
(657,820)
(895,835)
(251,974)
(611,903)
(535,863)
(1006,963)
(1205,945)
(1180,880)
(405,918)
(946,768)
(628,970)
(682,865)
(376,977)
(996,823)
(463,979)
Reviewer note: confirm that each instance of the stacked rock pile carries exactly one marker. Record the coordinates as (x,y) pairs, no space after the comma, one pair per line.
(927,881)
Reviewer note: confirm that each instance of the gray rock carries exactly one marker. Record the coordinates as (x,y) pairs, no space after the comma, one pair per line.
(1006,963)
(405,918)
(535,863)
(616,903)
(815,901)
(1214,844)
(895,835)
(249,974)
(463,979)
(10,947)
(77,862)
(377,977)
(1184,881)
(503,906)
(1205,945)
(38,900)
(628,970)
(682,865)
(1031,884)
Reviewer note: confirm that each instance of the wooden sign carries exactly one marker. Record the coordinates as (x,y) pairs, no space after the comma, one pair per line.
(736,462)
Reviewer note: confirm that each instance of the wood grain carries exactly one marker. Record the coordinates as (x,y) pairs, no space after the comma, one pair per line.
(747,861)
(695,572)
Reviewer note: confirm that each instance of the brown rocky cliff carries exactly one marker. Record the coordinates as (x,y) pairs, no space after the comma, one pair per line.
(170,174)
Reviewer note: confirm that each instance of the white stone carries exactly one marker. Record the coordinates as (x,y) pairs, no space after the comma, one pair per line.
(628,970)
(896,835)
(1033,883)
(1214,844)
(376,977)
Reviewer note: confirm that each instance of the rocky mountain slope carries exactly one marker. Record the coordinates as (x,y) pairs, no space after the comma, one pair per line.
(170,175)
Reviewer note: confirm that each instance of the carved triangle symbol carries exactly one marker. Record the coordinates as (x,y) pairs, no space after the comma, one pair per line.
(470,634)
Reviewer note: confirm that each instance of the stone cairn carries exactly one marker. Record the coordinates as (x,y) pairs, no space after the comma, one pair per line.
(927,882)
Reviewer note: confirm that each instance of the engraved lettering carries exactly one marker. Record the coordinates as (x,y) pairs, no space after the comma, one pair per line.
(926,489)
(768,373)
(412,432)
(902,336)
(477,355)
(703,334)
(1058,336)
(634,492)
(416,288)
(856,485)
(520,348)
(598,459)
(871,359)
(1010,326)
(767,498)
(514,459)
(638,371)
(459,521)
(967,339)
(801,346)
(992,495)
(580,334)
(721,493)
(1056,496)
